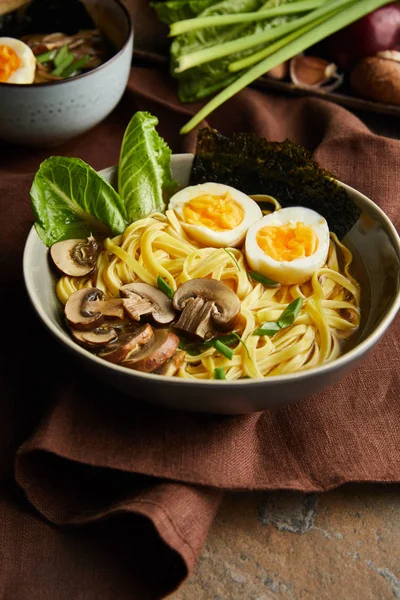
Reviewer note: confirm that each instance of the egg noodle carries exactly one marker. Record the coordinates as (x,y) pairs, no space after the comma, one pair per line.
(158,246)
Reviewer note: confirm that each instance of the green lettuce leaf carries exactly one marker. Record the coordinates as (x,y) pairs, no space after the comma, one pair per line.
(203,81)
(176,10)
(71,200)
(145,180)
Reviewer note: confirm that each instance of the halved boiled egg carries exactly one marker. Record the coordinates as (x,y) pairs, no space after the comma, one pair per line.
(288,245)
(17,61)
(215,214)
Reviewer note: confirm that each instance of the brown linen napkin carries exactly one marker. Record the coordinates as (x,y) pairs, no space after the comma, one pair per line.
(103,497)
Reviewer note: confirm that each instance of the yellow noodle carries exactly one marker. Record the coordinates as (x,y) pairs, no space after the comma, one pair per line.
(158,246)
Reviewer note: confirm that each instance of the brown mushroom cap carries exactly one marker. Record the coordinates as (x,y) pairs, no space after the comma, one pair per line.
(206,304)
(377,78)
(143,299)
(155,353)
(77,315)
(75,257)
(127,343)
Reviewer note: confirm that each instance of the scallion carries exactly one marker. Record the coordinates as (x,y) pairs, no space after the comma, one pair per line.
(46,56)
(262,279)
(75,66)
(333,23)
(229,253)
(186,25)
(269,329)
(165,287)
(286,319)
(223,349)
(219,373)
(199,57)
(290,313)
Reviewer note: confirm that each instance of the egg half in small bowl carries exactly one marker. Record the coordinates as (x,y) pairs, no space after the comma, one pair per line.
(288,245)
(215,214)
(17,61)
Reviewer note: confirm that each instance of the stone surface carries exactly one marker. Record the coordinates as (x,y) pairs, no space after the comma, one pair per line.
(340,545)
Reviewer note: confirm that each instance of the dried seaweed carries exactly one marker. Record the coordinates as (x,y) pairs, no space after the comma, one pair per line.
(284,170)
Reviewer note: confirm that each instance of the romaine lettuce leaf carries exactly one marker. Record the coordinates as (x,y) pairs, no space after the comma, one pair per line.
(144,170)
(176,10)
(71,200)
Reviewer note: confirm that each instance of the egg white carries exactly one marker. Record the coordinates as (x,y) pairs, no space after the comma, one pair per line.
(296,271)
(25,73)
(204,235)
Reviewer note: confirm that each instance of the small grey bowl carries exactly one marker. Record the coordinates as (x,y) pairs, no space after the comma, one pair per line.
(375,245)
(47,114)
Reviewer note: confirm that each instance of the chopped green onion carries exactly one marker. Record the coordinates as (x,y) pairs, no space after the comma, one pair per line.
(286,319)
(61,55)
(75,66)
(223,349)
(290,313)
(264,280)
(45,56)
(59,71)
(230,338)
(219,373)
(164,287)
(233,258)
(242,342)
(248,61)
(186,25)
(199,57)
(332,24)
(269,329)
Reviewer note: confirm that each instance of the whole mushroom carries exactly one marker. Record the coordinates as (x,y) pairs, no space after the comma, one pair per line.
(378,77)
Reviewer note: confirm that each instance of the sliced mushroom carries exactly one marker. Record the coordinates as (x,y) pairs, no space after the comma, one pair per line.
(75,257)
(155,353)
(101,336)
(207,305)
(108,308)
(77,313)
(171,366)
(142,299)
(127,343)
(87,308)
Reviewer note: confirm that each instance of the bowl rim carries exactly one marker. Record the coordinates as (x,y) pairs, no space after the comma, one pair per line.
(129,37)
(355,353)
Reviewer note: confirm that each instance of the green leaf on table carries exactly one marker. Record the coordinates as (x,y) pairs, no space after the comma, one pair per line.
(145,180)
(71,200)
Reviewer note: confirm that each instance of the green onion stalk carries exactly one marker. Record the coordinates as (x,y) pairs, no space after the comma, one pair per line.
(289,39)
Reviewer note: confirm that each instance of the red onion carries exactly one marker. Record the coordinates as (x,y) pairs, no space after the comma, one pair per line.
(380,30)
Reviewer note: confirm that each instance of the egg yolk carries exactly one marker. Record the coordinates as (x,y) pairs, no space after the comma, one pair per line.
(287,242)
(9,62)
(219,213)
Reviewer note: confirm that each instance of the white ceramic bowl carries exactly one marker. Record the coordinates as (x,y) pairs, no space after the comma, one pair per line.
(376,249)
(46,114)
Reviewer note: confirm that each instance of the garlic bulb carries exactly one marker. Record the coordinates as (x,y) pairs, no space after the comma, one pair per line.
(312,72)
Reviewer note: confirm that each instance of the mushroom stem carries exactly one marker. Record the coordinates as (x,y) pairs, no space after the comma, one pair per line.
(196,316)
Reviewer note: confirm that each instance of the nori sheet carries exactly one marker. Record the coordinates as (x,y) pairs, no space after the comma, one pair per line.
(284,170)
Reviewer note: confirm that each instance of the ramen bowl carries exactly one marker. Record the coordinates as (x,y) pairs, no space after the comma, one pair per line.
(47,114)
(375,245)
